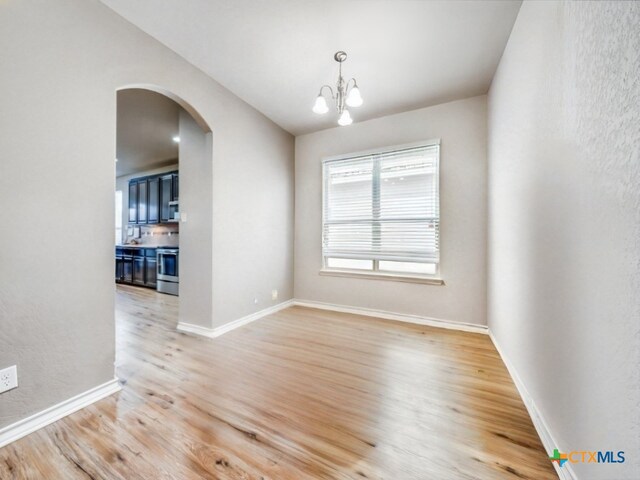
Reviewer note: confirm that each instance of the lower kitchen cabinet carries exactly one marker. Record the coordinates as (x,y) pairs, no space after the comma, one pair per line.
(119,268)
(127,269)
(136,266)
(138,270)
(151,271)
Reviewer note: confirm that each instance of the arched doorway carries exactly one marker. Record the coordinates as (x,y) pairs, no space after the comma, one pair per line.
(156,120)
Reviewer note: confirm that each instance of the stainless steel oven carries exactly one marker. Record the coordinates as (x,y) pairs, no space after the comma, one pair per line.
(168,270)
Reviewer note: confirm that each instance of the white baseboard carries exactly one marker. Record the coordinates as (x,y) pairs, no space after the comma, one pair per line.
(28,425)
(227,327)
(196,329)
(542,427)
(401,317)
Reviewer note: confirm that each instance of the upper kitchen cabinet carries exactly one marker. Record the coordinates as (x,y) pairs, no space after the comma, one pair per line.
(174,186)
(169,197)
(165,197)
(133,201)
(153,208)
(143,201)
(154,199)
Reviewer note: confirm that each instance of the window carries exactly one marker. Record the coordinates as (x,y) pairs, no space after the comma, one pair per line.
(118,217)
(381,211)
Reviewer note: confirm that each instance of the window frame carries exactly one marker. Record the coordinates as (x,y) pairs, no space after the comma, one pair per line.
(374,272)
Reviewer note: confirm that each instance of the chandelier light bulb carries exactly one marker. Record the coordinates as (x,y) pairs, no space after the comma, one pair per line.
(345,118)
(320,107)
(354,99)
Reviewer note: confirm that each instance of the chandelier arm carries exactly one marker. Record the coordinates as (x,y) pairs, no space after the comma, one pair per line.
(347,87)
(330,89)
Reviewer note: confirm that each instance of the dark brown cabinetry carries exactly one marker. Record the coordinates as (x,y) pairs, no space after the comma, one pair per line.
(153,199)
(136,266)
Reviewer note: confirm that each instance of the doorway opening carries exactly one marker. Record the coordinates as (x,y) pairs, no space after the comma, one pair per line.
(163,170)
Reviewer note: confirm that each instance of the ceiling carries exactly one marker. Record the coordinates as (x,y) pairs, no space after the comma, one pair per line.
(147,123)
(275,54)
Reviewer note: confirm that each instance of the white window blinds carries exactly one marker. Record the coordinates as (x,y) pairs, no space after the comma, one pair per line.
(383,207)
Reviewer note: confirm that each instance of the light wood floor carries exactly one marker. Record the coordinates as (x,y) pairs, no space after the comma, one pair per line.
(301,394)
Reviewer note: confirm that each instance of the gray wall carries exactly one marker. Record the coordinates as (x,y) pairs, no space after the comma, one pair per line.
(196,233)
(62,62)
(564,210)
(253,203)
(461,126)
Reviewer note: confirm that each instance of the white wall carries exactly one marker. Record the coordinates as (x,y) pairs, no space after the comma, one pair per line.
(62,61)
(564,209)
(461,126)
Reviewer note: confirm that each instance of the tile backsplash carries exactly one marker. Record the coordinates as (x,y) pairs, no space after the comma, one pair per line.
(154,235)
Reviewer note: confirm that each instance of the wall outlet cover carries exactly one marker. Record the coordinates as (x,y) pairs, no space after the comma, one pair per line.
(8,378)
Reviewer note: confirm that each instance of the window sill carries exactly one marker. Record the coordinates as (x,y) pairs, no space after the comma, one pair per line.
(382,276)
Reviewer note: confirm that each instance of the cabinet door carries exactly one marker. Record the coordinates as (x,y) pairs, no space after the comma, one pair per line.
(133,202)
(138,270)
(175,187)
(166,187)
(127,270)
(151,270)
(153,211)
(142,201)
(119,269)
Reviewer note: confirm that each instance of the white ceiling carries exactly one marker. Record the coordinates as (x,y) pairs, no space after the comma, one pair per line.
(275,54)
(147,123)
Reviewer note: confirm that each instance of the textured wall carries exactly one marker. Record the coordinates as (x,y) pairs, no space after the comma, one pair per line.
(564,210)
(62,61)
(461,126)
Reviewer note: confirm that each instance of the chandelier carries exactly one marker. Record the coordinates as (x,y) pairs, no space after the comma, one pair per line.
(347,94)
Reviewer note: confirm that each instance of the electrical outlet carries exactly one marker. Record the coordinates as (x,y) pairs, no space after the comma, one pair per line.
(8,379)
(255,301)
(274,294)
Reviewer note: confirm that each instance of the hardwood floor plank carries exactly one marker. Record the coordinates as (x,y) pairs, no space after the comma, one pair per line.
(302,394)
